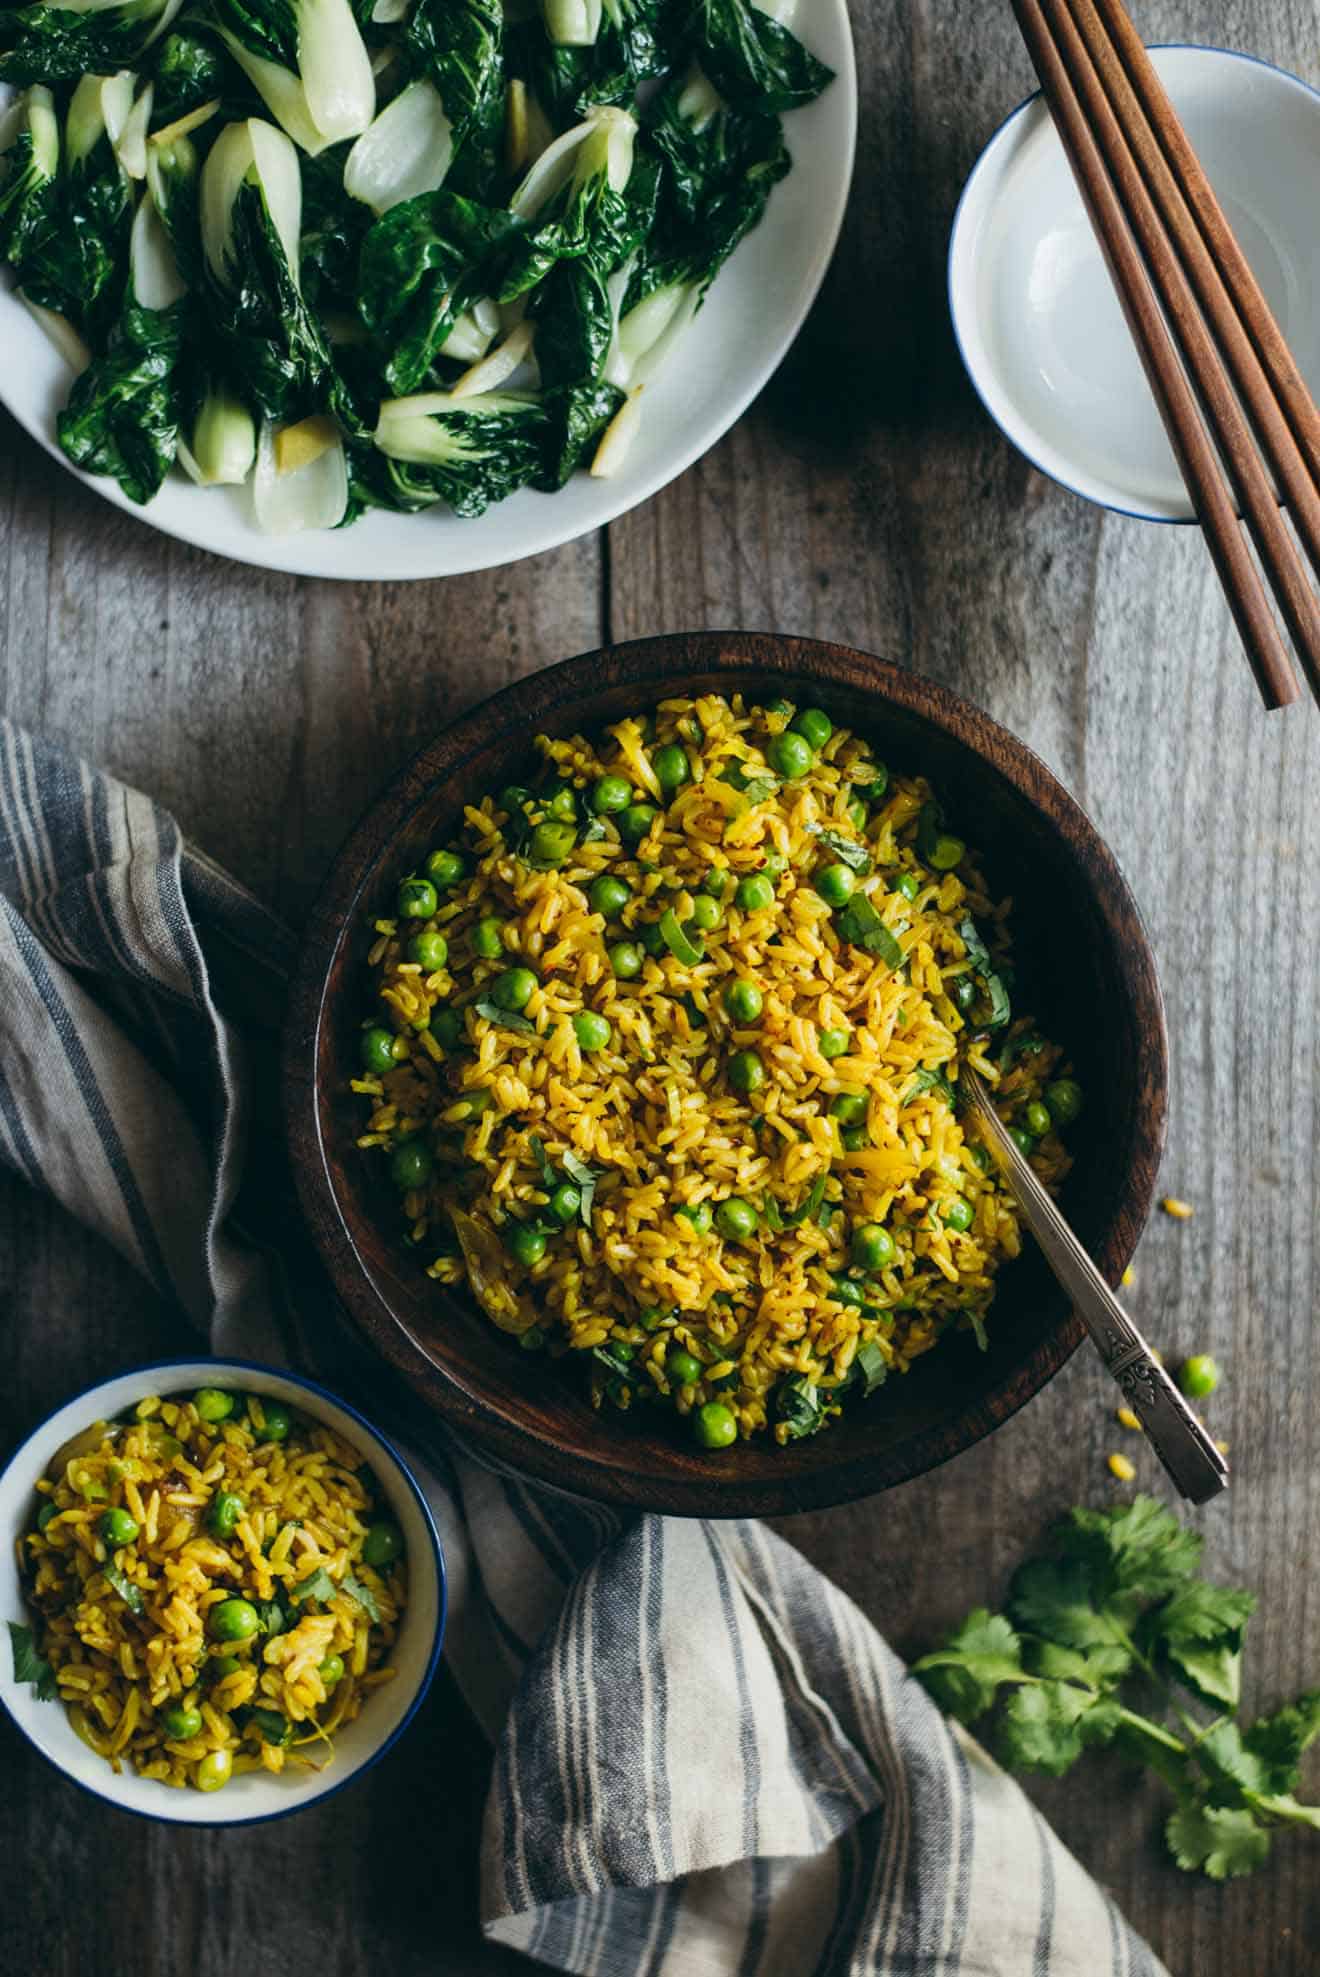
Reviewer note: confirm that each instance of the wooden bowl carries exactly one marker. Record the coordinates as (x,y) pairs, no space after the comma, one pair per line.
(1085,969)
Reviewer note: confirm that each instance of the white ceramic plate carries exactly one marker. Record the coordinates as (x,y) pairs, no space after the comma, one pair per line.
(255,1795)
(1037,320)
(754,310)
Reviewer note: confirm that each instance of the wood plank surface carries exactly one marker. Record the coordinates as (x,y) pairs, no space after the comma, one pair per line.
(866,498)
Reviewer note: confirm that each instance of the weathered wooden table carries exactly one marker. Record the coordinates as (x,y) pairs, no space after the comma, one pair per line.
(865,498)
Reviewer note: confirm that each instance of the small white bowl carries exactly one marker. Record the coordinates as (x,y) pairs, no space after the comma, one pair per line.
(255,1795)
(1034,311)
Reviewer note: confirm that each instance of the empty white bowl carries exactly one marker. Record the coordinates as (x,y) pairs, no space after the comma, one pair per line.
(1039,326)
(254,1795)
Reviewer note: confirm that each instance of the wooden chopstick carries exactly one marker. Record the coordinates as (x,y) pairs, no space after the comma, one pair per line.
(1280,365)
(1296,469)
(1167,241)
(1173,395)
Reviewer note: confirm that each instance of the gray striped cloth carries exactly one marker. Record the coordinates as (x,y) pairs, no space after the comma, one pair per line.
(706,1759)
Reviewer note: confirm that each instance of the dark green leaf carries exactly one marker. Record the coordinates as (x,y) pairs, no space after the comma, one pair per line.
(364,1596)
(799,1405)
(123,413)
(754,61)
(1280,1740)
(123,1585)
(29,1666)
(1054,1598)
(457,45)
(965,1674)
(420,267)
(507,1019)
(60,44)
(1139,1547)
(272,1617)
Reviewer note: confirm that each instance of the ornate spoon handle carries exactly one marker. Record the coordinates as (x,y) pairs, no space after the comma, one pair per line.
(1182,1444)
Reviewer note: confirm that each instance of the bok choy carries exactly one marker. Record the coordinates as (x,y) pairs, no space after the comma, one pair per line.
(355,253)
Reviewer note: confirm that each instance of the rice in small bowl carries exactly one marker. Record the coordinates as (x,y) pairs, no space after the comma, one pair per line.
(224,1589)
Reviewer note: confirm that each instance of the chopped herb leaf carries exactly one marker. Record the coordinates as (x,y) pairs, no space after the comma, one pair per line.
(123,1585)
(806,1209)
(853,855)
(319,1585)
(584,1178)
(549,1178)
(507,1019)
(800,1407)
(927,1079)
(29,1665)
(273,1617)
(872,1366)
(364,1596)
(773,1213)
(861,924)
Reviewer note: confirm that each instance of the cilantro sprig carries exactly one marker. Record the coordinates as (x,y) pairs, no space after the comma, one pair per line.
(1113,1615)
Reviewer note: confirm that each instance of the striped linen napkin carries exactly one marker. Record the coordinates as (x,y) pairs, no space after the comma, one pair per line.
(815,1812)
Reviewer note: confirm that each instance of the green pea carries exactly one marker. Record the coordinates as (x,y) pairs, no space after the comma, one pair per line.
(117,1528)
(959,1215)
(754,893)
(845,1291)
(552,843)
(672,768)
(561,804)
(873,1248)
(270,1726)
(871,792)
(774,864)
(706,914)
(834,1043)
(790,755)
(636,821)
(652,1317)
(592,1031)
(488,939)
(736,1219)
(382,1545)
(746,1072)
(447,1028)
(233,1620)
(836,884)
(181,1724)
(744,1001)
(1198,1376)
(850,1107)
(445,869)
(857,814)
(531,1340)
(565,1202)
(611,793)
(224,1514)
(813,725)
(331,1671)
(417,899)
(377,1050)
(947,852)
(855,1139)
(906,883)
(715,1425)
(46,1515)
(626,960)
(1024,1143)
(431,949)
(1036,1118)
(527,1244)
(213,1404)
(213,1771)
(278,1421)
(609,896)
(779,706)
(221,1665)
(684,1368)
(700,1214)
(716,882)
(1064,1098)
(411,1165)
(513,990)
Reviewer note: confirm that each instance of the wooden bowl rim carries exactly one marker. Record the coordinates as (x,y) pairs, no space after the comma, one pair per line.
(658,664)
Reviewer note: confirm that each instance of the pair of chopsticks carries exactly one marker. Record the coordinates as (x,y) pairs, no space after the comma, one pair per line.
(1227,387)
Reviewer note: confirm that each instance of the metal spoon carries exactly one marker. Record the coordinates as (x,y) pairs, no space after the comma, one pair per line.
(1175,1434)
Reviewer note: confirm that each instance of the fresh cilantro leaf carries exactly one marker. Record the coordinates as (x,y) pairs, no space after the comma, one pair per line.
(1053,1597)
(1279,1740)
(928,1079)
(861,924)
(318,1586)
(29,1666)
(872,1366)
(855,856)
(549,1178)
(1139,1547)
(272,1617)
(584,1178)
(1220,1840)
(1098,1667)
(1200,1630)
(364,1596)
(507,1019)
(965,1674)
(1041,1727)
(800,1407)
(123,1585)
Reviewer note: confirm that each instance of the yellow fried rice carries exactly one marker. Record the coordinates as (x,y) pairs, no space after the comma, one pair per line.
(160,1540)
(633,1073)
